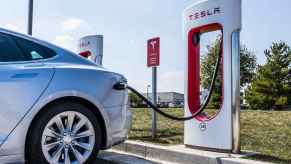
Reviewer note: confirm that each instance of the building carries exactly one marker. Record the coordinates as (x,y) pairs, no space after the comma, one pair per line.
(168,99)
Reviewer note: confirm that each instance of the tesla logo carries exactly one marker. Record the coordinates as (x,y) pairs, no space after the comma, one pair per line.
(203,126)
(204,13)
(153,44)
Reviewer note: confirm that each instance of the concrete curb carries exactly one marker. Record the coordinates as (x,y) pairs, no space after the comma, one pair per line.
(180,154)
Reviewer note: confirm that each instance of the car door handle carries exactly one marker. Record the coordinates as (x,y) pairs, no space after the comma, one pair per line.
(24,75)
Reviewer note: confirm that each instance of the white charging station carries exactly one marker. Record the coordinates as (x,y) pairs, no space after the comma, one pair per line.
(91,47)
(221,132)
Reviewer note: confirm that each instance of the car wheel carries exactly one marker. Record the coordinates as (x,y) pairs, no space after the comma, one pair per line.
(65,133)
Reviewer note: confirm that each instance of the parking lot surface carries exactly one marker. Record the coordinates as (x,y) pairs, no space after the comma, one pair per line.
(109,157)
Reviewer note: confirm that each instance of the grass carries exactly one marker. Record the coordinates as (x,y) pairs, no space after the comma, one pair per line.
(169,132)
(268,133)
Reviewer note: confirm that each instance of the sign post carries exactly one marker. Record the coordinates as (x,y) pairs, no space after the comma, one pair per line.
(153,60)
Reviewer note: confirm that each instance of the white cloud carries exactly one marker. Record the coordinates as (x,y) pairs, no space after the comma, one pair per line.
(167,82)
(72,24)
(11,27)
(66,41)
(171,82)
(140,85)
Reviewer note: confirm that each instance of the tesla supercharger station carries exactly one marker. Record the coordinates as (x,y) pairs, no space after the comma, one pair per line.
(91,47)
(221,132)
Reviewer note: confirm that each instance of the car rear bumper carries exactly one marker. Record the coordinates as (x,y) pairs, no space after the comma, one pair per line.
(120,126)
(123,135)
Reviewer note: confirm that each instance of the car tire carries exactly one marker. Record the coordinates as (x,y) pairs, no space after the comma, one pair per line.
(47,130)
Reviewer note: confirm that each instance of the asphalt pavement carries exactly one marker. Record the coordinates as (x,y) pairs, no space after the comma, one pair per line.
(108,157)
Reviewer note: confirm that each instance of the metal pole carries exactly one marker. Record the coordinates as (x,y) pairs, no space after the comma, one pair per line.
(147,91)
(30,17)
(154,100)
(235,93)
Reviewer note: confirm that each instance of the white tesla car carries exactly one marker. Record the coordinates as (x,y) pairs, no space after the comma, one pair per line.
(56,107)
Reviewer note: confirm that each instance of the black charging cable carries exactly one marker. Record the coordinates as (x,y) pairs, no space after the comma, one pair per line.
(123,85)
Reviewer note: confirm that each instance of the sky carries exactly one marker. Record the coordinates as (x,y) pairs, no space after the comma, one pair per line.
(128,24)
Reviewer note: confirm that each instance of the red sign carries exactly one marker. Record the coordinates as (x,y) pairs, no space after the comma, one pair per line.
(153,52)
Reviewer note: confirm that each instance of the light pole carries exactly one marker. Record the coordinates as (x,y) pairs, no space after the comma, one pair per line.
(30,17)
(148,87)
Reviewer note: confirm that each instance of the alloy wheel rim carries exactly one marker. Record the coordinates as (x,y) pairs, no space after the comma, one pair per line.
(69,137)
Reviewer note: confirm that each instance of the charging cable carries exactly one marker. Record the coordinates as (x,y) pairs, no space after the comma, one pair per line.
(123,85)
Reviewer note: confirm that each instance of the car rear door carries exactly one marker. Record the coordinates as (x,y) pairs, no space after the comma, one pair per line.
(24,76)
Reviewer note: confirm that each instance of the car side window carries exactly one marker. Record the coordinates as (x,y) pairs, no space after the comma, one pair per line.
(34,51)
(9,51)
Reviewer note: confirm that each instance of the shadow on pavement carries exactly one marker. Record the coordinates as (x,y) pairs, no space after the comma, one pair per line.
(102,161)
(99,161)
(118,158)
(107,157)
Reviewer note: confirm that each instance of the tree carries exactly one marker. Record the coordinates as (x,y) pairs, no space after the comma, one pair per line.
(208,63)
(271,88)
(134,100)
(248,63)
